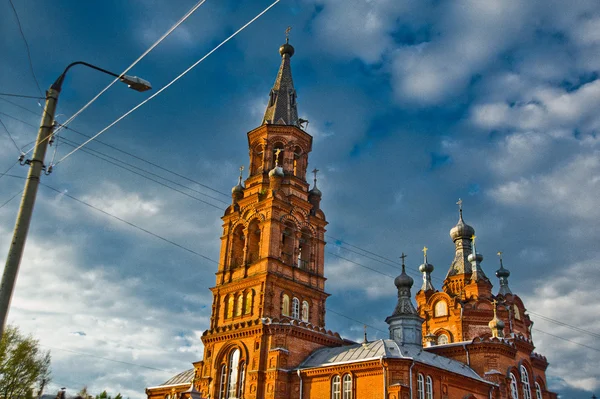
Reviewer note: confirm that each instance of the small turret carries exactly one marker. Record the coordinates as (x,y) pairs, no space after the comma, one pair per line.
(406,327)
(237,192)
(314,195)
(502,275)
(426,268)
(461,236)
(475,259)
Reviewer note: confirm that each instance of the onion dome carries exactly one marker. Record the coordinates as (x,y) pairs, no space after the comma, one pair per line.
(315,190)
(426,267)
(286,48)
(237,192)
(461,230)
(404,280)
(277,171)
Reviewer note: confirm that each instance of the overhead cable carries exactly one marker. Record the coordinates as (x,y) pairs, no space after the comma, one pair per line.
(171,82)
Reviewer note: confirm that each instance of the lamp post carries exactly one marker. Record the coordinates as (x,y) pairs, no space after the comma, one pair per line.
(36,165)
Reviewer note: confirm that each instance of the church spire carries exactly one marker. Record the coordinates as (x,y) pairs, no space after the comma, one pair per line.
(426,268)
(282,109)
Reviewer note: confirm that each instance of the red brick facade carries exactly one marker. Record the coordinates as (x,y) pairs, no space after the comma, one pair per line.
(268,311)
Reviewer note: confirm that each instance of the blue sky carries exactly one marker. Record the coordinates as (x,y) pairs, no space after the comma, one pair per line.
(412,104)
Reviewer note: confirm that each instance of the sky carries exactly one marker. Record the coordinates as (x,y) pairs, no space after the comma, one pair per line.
(412,105)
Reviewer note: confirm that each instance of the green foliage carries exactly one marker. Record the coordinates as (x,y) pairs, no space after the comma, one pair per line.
(23,366)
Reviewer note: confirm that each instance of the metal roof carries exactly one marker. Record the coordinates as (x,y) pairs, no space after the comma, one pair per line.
(385,348)
(184,377)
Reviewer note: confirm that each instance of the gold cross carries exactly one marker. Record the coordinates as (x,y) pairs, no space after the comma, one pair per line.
(277,151)
(425,250)
(241,169)
(287,33)
(473,237)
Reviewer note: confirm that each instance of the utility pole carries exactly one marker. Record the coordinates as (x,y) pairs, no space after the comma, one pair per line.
(36,165)
(15,253)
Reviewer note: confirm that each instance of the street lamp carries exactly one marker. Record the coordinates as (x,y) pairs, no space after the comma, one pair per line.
(36,165)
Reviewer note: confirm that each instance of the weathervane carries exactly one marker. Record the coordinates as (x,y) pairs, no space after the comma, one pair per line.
(287,34)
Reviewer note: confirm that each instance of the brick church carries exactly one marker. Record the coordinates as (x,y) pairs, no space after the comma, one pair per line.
(267,336)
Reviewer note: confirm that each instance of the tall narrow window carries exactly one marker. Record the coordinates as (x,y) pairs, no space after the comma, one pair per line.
(222,385)
(230,306)
(249,302)
(287,244)
(514,387)
(238,241)
(335,387)
(304,249)
(242,380)
(285,305)
(305,311)
(428,388)
(295,308)
(234,360)
(420,386)
(253,242)
(347,387)
(525,382)
(239,307)
(538,391)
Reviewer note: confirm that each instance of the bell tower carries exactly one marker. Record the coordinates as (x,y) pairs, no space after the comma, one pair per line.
(268,311)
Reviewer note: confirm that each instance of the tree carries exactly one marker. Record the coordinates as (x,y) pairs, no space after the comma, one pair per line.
(23,366)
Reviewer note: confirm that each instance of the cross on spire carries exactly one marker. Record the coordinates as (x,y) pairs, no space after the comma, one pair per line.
(500,256)
(403,267)
(459,203)
(473,237)
(315,171)
(287,34)
(495,303)
(241,170)
(425,254)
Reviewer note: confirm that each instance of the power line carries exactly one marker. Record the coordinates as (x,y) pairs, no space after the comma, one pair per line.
(26,46)
(22,96)
(173,81)
(105,358)
(156,43)
(130,223)
(10,199)
(581,330)
(10,135)
(566,339)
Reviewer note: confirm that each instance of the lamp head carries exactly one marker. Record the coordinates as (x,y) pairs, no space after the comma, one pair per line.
(135,83)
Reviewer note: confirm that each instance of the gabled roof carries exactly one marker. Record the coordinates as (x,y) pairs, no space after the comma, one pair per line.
(387,349)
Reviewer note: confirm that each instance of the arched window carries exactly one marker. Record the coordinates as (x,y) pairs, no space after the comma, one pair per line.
(285,305)
(230,306)
(441,309)
(256,161)
(287,243)
(525,382)
(420,386)
(295,308)
(239,305)
(305,311)
(249,303)
(234,362)
(222,384)
(242,380)
(335,387)
(238,242)
(304,249)
(538,391)
(514,386)
(253,241)
(517,313)
(298,163)
(428,388)
(347,387)
(442,339)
